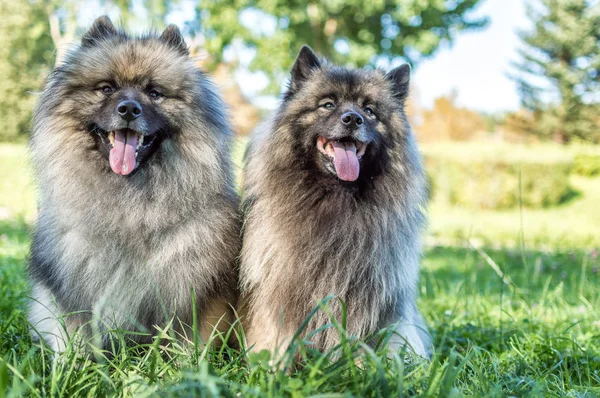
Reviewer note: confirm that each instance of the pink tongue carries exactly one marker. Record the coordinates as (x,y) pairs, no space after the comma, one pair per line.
(345,161)
(122,155)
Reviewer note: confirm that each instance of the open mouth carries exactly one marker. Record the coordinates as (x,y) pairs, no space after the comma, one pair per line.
(125,147)
(345,155)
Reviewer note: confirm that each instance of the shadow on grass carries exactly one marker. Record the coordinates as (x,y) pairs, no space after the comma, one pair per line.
(570,196)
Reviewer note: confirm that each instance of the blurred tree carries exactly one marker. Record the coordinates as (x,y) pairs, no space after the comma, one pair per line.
(34,34)
(353,32)
(446,121)
(63,17)
(143,12)
(562,57)
(26,52)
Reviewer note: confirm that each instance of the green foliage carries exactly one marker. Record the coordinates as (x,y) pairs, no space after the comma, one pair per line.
(352,32)
(26,53)
(146,13)
(586,164)
(586,160)
(562,54)
(498,177)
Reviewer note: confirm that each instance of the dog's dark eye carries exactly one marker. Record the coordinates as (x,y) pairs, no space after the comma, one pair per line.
(154,94)
(328,105)
(106,89)
(369,111)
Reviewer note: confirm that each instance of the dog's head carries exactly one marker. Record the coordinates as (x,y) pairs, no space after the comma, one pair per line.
(129,93)
(344,121)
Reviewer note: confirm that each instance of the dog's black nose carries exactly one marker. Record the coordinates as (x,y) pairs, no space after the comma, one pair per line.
(129,110)
(352,119)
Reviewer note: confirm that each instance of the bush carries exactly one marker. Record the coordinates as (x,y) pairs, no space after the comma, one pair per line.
(448,121)
(586,159)
(496,176)
(586,164)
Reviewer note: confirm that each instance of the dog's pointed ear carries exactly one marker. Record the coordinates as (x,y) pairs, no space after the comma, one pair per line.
(172,36)
(101,29)
(306,62)
(400,79)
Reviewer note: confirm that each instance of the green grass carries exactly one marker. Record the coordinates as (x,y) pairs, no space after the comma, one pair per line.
(575,224)
(17,198)
(505,321)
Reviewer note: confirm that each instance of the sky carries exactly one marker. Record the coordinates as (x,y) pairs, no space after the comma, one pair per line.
(477,63)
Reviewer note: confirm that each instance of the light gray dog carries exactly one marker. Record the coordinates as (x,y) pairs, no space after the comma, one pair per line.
(137,203)
(333,204)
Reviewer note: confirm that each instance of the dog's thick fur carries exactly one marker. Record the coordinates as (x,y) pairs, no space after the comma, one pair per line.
(126,251)
(307,234)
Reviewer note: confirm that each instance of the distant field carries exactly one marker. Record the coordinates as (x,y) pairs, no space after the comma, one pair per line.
(17,192)
(505,321)
(575,224)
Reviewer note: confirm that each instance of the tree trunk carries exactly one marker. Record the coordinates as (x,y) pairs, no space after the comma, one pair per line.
(560,137)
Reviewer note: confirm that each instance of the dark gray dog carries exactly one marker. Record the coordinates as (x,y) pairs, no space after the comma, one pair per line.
(333,201)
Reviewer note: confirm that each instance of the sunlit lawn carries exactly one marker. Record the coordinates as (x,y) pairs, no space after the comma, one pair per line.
(17,193)
(575,224)
(506,321)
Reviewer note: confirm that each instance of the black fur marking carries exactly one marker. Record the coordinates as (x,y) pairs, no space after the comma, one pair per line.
(306,62)
(41,268)
(101,29)
(400,78)
(172,36)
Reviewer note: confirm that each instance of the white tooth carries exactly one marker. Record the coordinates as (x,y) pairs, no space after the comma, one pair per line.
(140,140)
(329,148)
(111,138)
